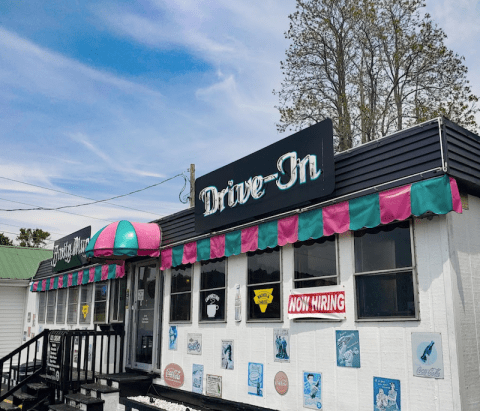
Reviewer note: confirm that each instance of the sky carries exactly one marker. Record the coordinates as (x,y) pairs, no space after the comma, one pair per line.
(102,98)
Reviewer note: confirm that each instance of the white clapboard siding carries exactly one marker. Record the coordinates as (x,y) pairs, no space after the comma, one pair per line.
(12,306)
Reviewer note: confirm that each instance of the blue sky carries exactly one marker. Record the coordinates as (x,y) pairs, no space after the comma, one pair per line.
(100,98)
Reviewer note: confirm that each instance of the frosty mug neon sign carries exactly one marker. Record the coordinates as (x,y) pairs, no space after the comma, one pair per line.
(254,187)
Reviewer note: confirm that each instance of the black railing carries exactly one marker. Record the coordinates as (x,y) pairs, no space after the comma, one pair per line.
(80,355)
(16,374)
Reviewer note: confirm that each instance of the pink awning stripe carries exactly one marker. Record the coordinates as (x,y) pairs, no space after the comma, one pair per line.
(217,246)
(189,253)
(52,280)
(80,277)
(166,259)
(105,241)
(91,275)
(120,271)
(70,276)
(249,239)
(35,286)
(104,272)
(288,230)
(149,238)
(336,219)
(395,204)
(456,200)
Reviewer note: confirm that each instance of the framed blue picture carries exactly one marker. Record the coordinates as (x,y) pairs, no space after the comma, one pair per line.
(386,394)
(348,348)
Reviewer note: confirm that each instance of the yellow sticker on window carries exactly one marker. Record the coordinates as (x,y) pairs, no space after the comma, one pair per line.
(263,298)
(85,311)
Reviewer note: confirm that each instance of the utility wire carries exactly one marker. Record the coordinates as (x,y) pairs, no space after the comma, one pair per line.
(93,202)
(18,226)
(60,211)
(90,203)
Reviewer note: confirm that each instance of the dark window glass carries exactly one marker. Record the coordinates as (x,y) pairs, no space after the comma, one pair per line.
(51,302)
(117,300)
(383,248)
(180,307)
(212,290)
(264,266)
(85,314)
(315,263)
(61,305)
(264,285)
(181,279)
(181,293)
(385,295)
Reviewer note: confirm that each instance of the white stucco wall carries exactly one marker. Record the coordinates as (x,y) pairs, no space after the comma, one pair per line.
(385,346)
(465,282)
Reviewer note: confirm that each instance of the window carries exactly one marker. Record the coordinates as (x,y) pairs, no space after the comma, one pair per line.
(212,290)
(42,305)
(100,307)
(61,301)
(181,294)
(264,285)
(384,271)
(85,314)
(315,263)
(72,314)
(51,302)
(118,292)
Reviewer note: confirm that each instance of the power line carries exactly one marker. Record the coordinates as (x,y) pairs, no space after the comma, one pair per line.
(18,226)
(60,211)
(93,202)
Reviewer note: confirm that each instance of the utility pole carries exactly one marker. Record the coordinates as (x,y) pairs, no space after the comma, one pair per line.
(192,185)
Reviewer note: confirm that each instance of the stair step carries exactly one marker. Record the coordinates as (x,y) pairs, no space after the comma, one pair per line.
(101,388)
(37,389)
(24,399)
(62,407)
(84,402)
(8,406)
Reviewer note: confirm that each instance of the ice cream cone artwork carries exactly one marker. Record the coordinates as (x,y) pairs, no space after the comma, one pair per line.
(263,298)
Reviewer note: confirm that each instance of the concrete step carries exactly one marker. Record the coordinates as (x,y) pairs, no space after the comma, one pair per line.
(7,405)
(62,407)
(129,383)
(84,402)
(24,400)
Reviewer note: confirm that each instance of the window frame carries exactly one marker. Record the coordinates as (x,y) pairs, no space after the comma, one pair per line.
(201,290)
(115,285)
(70,304)
(337,265)
(412,269)
(280,282)
(106,301)
(80,314)
(51,294)
(192,272)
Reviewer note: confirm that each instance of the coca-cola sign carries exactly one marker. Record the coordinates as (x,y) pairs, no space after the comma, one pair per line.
(173,375)
(287,174)
(281,383)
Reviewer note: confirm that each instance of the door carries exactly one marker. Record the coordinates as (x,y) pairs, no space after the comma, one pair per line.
(144,317)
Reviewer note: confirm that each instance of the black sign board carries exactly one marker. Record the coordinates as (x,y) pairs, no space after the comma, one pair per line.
(54,359)
(287,174)
(69,251)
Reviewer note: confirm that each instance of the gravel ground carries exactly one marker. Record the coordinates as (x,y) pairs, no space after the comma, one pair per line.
(169,406)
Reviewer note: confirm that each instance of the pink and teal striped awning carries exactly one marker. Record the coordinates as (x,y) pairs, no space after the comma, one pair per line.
(438,195)
(124,239)
(79,277)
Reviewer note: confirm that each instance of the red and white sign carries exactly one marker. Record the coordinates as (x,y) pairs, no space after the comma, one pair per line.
(281,383)
(173,375)
(319,302)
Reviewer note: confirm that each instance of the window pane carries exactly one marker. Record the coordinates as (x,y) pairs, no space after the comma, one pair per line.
(212,305)
(319,282)
(383,248)
(213,274)
(51,302)
(259,306)
(385,295)
(99,315)
(264,266)
(117,299)
(72,314)
(42,306)
(181,279)
(61,305)
(85,314)
(101,290)
(315,258)
(180,307)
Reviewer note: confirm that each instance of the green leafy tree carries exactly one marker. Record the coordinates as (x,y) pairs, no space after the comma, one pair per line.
(33,237)
(373,66)
(4,240)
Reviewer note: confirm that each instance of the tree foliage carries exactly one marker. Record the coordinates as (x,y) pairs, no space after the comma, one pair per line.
(33,237)
(4,240)
(373,66)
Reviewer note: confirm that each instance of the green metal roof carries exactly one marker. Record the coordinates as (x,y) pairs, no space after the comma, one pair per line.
(21,263)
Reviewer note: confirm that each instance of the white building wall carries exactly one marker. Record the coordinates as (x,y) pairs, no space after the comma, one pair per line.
(385,346)
(465,282)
